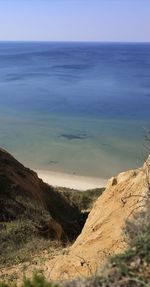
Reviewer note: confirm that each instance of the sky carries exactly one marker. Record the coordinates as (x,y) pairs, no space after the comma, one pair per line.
(75,20)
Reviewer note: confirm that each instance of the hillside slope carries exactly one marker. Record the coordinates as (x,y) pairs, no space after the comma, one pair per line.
(24,195)
(103,234)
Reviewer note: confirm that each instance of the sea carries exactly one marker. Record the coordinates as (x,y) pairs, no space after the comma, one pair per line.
(75,107)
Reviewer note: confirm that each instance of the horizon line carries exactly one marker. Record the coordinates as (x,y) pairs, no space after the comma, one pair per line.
(77,41)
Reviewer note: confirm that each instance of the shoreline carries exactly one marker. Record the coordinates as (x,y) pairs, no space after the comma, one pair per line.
(59,179)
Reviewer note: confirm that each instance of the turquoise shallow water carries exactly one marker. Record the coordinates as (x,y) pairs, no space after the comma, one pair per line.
(74,107)
(92,147)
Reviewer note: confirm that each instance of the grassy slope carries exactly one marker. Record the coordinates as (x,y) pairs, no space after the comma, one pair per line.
(19,237)
(19,184)
(84,200)
(129,269)
(27,203)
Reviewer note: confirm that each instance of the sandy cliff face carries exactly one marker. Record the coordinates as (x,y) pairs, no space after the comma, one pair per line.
(103,233)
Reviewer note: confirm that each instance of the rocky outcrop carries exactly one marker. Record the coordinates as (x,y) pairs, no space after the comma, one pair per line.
(103,234)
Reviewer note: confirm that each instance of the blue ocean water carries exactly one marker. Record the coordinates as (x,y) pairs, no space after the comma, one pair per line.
(75,107)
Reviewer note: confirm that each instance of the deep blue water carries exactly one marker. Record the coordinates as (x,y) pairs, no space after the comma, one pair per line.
(75,107)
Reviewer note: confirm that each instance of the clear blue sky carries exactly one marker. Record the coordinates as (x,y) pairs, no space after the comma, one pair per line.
(75,20)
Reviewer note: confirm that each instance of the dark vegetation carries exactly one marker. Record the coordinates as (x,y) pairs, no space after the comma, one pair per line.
(26,208)
(37,281)
(84,200)
(22,193)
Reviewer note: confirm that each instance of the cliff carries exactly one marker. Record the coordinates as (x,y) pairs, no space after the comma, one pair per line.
(24,195)
(103,234)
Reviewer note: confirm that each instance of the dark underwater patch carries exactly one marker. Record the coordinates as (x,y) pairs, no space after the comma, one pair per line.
(74,137)
(53,162)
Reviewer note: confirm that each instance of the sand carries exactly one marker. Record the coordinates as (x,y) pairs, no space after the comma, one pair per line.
(71,180)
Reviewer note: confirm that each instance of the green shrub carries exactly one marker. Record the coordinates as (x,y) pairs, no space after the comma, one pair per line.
(37,281)
(19,240)
(133,266)
(84,200)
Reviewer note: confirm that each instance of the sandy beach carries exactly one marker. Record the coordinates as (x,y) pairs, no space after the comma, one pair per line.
(70,180)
